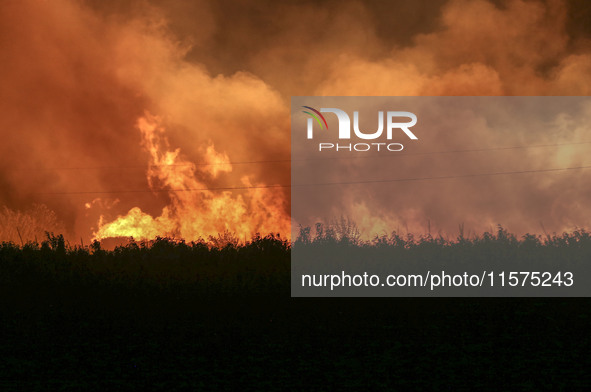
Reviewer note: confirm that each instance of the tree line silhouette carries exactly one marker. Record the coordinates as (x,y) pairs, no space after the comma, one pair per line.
(207,314)
(222,266)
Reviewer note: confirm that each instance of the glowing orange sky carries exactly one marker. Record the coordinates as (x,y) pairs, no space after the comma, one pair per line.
(78,77)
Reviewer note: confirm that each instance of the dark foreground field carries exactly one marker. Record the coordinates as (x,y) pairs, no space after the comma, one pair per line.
(169,315)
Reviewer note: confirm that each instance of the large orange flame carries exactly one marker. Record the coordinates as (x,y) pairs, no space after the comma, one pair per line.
(194,210)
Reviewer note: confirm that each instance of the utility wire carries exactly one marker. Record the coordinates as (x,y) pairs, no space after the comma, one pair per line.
(409,179)
(358,156)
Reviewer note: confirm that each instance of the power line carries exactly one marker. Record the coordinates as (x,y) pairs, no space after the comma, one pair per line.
(456,176)
(409,179)
(357,156)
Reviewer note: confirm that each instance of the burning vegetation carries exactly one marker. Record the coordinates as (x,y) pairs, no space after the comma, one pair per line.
(195,211)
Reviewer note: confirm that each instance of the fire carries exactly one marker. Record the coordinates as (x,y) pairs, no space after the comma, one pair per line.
(195,211)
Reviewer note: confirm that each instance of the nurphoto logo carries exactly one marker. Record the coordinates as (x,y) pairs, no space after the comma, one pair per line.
(344,129)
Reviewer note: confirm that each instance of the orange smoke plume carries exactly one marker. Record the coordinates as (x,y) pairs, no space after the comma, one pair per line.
(77,75)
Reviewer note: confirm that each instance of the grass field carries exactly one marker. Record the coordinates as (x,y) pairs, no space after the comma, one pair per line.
(169,314)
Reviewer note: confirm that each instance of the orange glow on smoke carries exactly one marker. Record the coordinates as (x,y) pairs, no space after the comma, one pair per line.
(77,77)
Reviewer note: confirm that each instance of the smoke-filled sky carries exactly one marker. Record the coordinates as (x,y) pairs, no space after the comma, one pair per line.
(100,97)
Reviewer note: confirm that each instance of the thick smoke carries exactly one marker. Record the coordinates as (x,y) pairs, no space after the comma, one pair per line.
(75,83)
(78,75)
